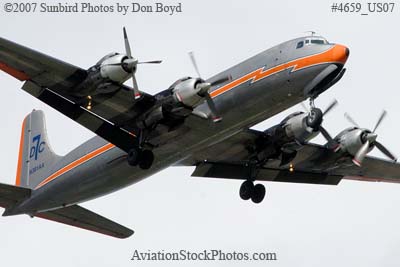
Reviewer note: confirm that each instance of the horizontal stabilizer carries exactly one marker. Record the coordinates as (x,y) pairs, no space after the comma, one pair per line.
(80,217)
(10,195)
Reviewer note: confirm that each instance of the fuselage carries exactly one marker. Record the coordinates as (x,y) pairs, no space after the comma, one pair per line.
(261,87)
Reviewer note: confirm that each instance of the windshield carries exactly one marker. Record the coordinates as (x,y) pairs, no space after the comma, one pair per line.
(316,40)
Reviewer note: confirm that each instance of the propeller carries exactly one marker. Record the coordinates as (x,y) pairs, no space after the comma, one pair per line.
(204,88)
(129,64)
(369,138)
(351,120)
(322,130)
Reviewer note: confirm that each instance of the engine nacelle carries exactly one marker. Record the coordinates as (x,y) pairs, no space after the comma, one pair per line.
(351,140)
(296,127)
(111,68)
(186,92)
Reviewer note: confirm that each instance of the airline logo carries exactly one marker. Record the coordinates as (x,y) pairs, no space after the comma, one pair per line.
(37,148)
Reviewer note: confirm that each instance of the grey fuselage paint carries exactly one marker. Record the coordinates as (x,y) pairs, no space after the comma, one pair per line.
(242,107)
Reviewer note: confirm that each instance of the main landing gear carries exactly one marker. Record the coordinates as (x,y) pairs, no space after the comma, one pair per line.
(250,191)
(143,158)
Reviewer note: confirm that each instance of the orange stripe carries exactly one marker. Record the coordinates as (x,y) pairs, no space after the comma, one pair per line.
(13,72)
(297,64)
(76,163)
(20,155)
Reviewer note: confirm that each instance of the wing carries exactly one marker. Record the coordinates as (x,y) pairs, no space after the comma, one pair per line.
(26,64)
(313,164)
(86,219)
(108,112)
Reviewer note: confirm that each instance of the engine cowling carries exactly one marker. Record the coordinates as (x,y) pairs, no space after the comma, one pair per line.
(187,92)
(297,127)
(111,68)
(351,140)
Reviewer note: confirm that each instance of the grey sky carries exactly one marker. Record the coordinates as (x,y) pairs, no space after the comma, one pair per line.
(353,224)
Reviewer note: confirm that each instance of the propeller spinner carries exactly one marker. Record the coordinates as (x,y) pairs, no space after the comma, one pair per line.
(369,139)
(129,64)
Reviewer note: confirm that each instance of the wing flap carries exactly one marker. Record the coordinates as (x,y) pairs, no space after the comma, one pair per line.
(108,130)
(243,171)
(80,217)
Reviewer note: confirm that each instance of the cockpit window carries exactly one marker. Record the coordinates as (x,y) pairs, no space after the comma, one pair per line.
(317,41)
(300,44)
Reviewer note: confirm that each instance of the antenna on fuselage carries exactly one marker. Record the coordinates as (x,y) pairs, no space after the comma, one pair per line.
(311,32)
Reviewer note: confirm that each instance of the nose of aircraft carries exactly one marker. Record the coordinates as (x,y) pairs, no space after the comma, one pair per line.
(340,53)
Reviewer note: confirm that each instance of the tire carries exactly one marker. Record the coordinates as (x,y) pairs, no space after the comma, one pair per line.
(314,118)
(146,160)
(246,190)
(258,193)
(133,157)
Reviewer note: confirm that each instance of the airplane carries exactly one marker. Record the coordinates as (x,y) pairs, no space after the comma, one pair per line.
(204,123)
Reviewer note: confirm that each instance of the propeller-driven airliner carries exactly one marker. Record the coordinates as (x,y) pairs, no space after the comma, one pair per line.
(204,123)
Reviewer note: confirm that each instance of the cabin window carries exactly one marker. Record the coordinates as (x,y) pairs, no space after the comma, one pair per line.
(300,44)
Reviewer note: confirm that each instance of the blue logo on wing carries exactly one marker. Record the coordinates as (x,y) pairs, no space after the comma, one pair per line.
(38,147)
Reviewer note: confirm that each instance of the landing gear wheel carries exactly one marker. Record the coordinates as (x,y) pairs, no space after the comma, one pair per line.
(314,118)
(246,190)
(146,159)
(258,193)
(133,156)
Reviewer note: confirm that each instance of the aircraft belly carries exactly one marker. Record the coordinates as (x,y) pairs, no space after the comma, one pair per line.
(241,108)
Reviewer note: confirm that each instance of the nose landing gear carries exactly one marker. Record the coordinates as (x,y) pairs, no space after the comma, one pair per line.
(250,191)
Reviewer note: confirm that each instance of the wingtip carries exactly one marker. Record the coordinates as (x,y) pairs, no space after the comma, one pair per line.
(125,235)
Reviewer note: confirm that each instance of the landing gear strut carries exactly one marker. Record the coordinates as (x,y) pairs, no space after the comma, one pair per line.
(250,191)
(143,158)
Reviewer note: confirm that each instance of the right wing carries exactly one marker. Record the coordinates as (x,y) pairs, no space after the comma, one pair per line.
(314,164)
(80,217)
(108,113)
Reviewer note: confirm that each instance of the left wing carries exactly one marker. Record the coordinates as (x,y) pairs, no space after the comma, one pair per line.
(108,112)
(313,164)
(80,217)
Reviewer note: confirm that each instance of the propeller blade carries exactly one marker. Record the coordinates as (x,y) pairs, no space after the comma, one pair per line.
(331,106)
(221,80)
(151,62)
(127,45)
(350,119)
(385,151)
(383,115)
(135,87)
(326,135)
(361,153)
(193,59)
(211,105)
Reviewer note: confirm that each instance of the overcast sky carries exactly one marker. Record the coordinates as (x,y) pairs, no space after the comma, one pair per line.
(353,224)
